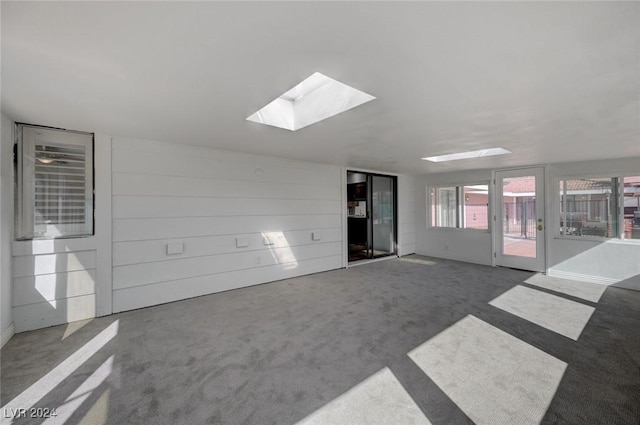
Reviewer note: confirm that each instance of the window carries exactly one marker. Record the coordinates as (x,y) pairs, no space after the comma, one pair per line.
(631,207)
(55,183)
(604,207)
(444,201)
(465,207)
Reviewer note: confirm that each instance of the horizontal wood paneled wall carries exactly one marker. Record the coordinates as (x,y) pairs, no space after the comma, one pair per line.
(240,219)
(54,282)
(137,252)
(406,215)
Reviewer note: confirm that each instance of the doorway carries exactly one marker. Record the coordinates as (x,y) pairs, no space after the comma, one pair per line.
(520,224)
(371,215)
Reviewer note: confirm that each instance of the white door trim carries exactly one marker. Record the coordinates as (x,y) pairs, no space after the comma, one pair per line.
(103,225)
(345,236)
(499,259)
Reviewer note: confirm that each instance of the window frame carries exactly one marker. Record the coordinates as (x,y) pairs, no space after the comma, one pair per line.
(459,189)
(25,179)
(558,207)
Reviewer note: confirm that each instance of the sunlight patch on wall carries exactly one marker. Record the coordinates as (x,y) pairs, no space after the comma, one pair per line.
(280,249)
(64,285)
(45,264)
(74,327)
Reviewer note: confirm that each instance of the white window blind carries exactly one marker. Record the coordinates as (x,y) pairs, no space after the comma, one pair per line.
(56,184)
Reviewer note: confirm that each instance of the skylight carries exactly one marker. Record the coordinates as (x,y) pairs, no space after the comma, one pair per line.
(467,155)
(314,99)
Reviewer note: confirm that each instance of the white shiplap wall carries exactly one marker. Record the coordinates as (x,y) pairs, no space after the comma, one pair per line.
(406,215)
(53,282)
(7,327)
(207,201)
(57,281)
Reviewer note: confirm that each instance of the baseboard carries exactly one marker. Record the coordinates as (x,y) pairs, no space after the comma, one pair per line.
(582,277)
(374,260)
(7,334)
(462,259)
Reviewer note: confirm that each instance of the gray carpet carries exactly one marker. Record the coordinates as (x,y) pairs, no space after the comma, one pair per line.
(281,352)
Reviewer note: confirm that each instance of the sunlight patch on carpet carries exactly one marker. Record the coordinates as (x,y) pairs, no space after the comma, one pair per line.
(492,376)
(379,399)
(554,313)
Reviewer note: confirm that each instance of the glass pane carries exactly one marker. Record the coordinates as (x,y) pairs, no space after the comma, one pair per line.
(434,210)
(588,207)
(55,183)
(476,207)
(519,219)
(444,207)
(357,221)
(382,215)
(631,190)
(565,227)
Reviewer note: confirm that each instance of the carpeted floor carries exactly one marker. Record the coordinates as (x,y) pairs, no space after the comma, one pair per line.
(411,340)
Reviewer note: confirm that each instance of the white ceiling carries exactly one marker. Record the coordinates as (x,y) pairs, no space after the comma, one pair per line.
(552,82)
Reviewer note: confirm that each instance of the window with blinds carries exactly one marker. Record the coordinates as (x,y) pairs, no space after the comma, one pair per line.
(56,187)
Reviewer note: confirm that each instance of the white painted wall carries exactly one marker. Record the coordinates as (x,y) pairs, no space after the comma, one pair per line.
(406,215)
(472,246)
(599,261)
(206,202)
(103,222)
(53,282)
(58,281)
(217,206)
(6,227)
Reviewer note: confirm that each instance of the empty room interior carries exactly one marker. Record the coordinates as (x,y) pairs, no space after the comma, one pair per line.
(320,213)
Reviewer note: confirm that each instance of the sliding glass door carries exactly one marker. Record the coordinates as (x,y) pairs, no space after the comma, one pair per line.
(382,216)
(371,215)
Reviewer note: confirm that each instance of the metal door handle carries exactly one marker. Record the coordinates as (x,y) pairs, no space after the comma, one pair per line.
(540,227)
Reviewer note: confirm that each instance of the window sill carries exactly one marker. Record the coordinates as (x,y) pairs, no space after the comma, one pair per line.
(53,246)
(460,229)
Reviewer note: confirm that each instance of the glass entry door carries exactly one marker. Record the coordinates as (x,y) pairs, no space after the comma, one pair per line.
(519,229)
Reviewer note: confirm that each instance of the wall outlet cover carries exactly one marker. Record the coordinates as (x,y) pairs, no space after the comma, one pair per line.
(242,242)
(174,248)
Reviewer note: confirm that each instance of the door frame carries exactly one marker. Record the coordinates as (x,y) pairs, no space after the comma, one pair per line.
(345,234)
(541,261)
(370,225)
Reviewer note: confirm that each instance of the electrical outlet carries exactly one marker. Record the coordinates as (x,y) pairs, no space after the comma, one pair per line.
(175,248)
(242,242)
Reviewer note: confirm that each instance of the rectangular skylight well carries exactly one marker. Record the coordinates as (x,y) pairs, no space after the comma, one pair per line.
(467,155)
(314,99)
